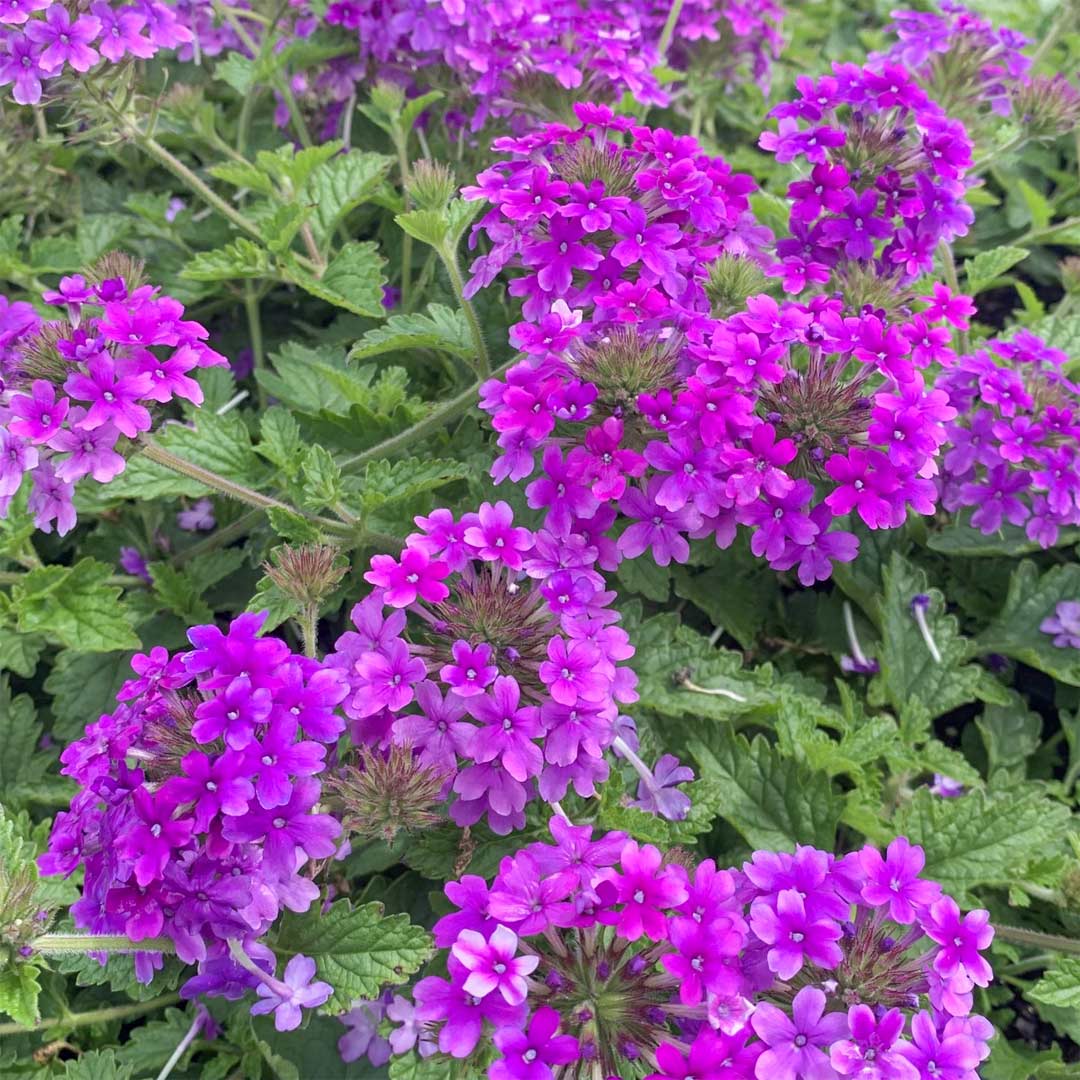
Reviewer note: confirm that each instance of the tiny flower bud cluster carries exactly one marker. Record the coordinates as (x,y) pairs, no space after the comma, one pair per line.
(196,809)
(599,957)
(72,389)
(40,40)
(491,652)
(886,176)
(1012,446)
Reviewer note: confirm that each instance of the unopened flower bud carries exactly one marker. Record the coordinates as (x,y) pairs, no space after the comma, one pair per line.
(732,279)
(308,573)
(431,185)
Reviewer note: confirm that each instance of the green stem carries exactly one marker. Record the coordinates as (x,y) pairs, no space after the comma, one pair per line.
(1066,17)
(48,944)
(984,163)
(217,482)
(1020,935)
(184,174)
(1035,236)
(454,408)
(125,581)
(254,321)
(953,281)
(401,144)
(483,363)
(1022,967)
(219,538)
(94,1016)
(669,28)
(308,620)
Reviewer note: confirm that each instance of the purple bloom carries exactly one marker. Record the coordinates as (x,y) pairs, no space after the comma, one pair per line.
(286,999)
(493,964)
(873,1052)
(529,1054)
(198,517)
(471,670)
(63,41)
(659,795)
(895,880)
(794,936)
(131,561)
(363,1036)
(1064,624)
(508,730)
(795,1043)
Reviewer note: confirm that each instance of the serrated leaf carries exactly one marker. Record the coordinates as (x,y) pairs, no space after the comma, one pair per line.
(240,72)
(19,990)
(243,175)
(959,538)
(353,281)
(339,186)
(292,167)
(412,108)
(152,1043)
(1031,599)
(986,267)
(96,1065)
(442,328)
(242,258)
(388,481)
(293,527)
(179,593)
(84,687)
(322,479)
(19,734)
(980,838)
(278,607)
(1060,986)
(221,444)
(773,802)
(118,974)
(358,951)
(430,227)
(19,652)
(280,440)
(645,577)
(75,606)
(908,669)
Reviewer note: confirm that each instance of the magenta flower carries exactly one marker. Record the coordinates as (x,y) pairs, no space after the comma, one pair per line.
(795,1043)
(233,715)
(795,938)
(645,888)
(387,678)
(153,835)
(278,758)
(21,66)
(472,669)
(950,1055)
(496,538)
(493,964)
(711,1057)
(215,785)
(873,1051)
(112,396)
(570,672)
(40,414)
(961,938)
(414,576)
(895,881)
(508,731)
(529,1054)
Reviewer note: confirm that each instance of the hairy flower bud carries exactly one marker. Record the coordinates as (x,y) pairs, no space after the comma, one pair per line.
(431,185)
(308,573)
(732,279)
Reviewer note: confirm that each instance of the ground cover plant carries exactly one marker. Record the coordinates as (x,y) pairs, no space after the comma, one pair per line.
(539,540)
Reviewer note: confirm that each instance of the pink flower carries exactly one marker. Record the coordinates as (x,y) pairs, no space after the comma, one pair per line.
(415,576)
(895,881)
(493,965)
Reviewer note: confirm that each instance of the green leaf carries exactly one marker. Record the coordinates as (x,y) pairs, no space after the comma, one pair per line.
(1060,986)
(430,227)
(96,1065)
(772,801)
(983,270)
(83,687)
(980,838)
(412,108)
(291,167)
(442,328)
(322,479)
(281,441)
(152,1043)
(243,175)
(908,669)
(1037,204)
(240,72)
(353,281)
(242,258)
(959,538)
(19,990)
(75,607)
(358,951)
(645,577)
(278,607)
(293,527)
(437,1067)
(20,768)
(339,186)
(221,444)
(180,593)
(1031,599)
(389,481)
(19,652)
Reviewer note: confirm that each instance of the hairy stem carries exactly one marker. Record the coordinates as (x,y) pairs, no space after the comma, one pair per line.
(1020,935)
(94,1016)
(125,581)
(220,537)
(669,28)
(254,321)
(454,408)
(48,944)
(483,363)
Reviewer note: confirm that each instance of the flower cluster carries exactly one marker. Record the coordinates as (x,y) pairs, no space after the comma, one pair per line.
(960,56)
(196,809)
(724,38)
(74,388)
(42,39)
(1012,453)
(597,956)
(613,227)
(885,183)
(490,652)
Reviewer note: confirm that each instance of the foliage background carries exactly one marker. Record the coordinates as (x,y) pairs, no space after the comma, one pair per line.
(811,756)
